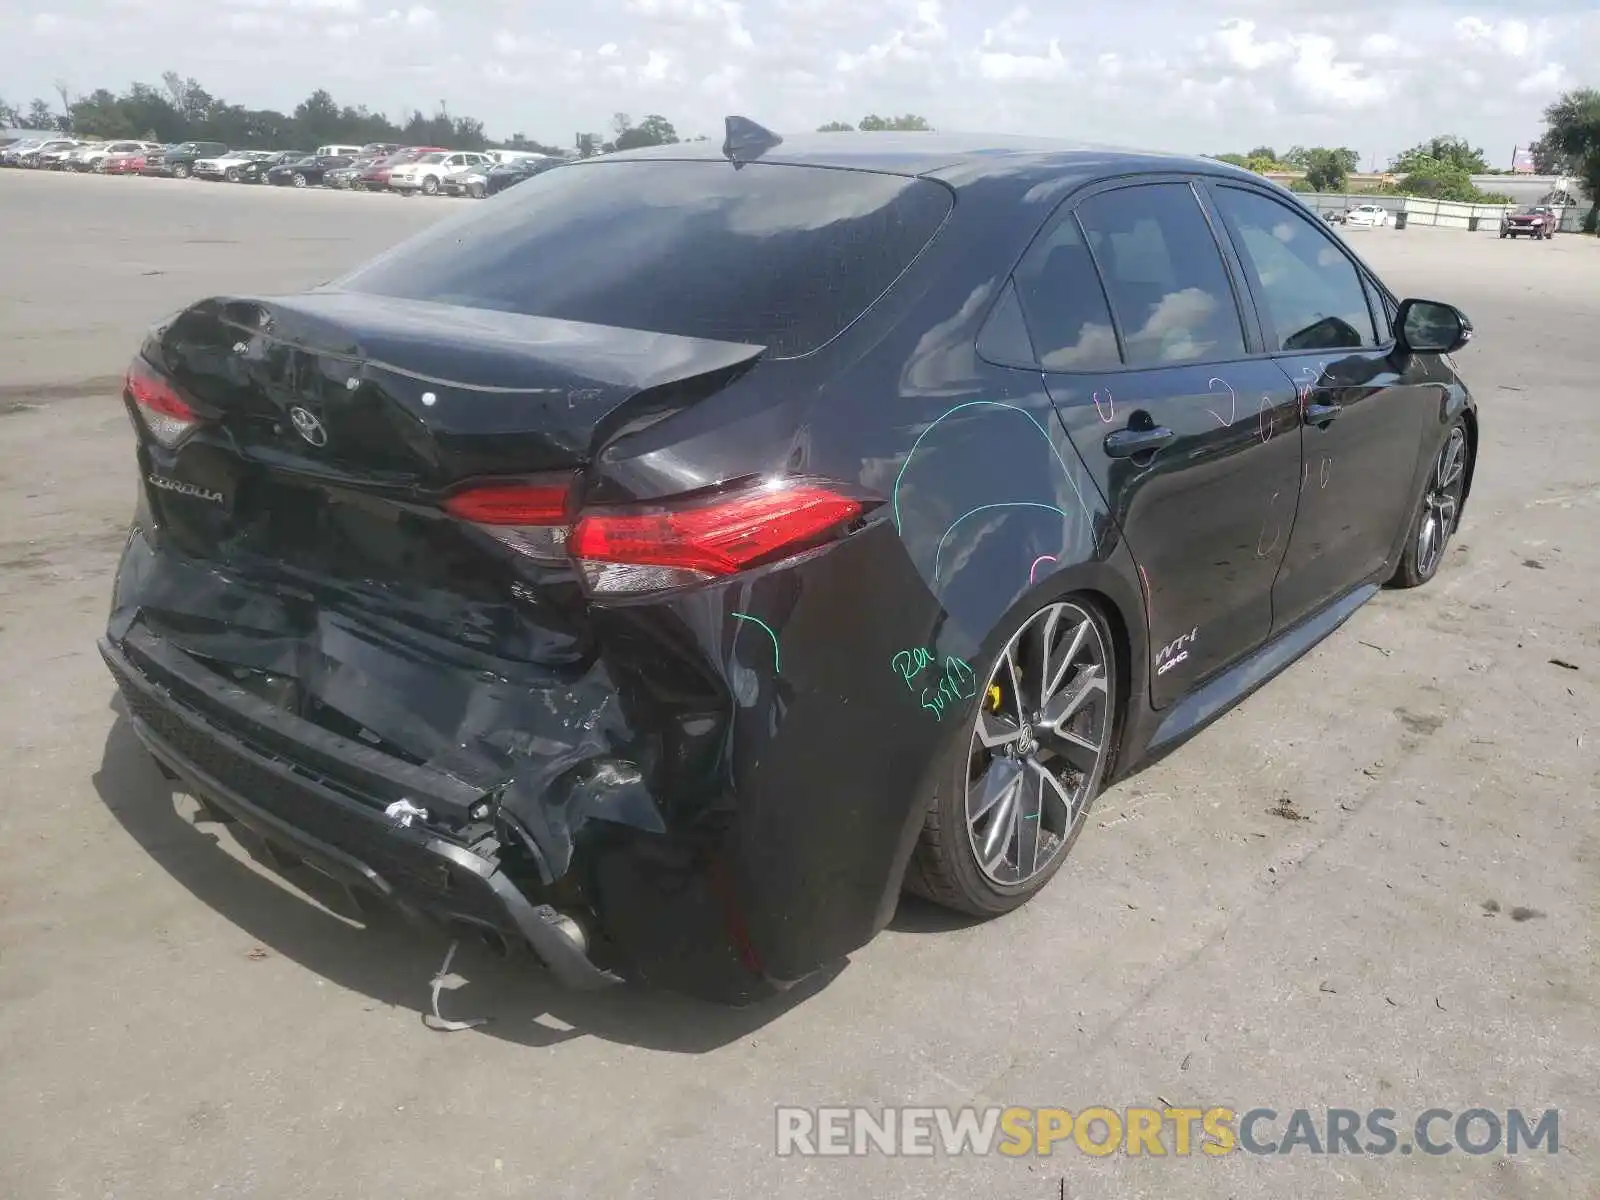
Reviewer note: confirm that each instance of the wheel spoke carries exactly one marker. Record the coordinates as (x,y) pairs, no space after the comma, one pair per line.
(1054,679)
(1055,794)
(1081,753)
(1003,828)
(1030,814)
(996,729)
(1015,676)
(1000,778)
(1090,682)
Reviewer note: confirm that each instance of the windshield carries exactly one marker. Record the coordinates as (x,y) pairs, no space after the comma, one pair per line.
(783,256)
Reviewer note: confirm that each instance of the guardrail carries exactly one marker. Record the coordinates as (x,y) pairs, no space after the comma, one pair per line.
(1444,214)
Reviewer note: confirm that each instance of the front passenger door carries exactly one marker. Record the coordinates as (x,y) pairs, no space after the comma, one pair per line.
(1362,413)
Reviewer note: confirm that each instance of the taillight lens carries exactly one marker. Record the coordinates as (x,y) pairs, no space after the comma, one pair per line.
(662,546)
(530,518)
(634,550)
(166,417)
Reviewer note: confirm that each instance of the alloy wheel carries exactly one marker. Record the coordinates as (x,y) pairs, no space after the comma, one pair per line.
(1038,744)
(1442,503)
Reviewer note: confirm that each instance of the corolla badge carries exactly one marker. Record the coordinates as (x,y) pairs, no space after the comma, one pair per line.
(308,426)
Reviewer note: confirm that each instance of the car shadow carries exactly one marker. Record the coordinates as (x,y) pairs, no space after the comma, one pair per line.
(374,951)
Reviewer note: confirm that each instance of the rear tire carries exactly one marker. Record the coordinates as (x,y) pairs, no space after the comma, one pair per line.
(1437,515)
(1016,783)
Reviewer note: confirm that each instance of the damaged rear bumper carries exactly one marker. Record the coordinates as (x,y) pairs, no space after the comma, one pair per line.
(350,840)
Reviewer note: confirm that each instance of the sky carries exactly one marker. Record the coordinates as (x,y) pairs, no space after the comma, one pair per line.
(1202,76)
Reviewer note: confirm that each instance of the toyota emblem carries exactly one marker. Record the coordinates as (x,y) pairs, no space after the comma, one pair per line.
(308,427)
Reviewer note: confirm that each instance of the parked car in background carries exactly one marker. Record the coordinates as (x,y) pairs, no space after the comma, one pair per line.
(51,157)
(376,177)
(227,166)
(1370,216)
(177,162)
(306,172)
(504,175)
(337,152)
(428,172)
(468,181)
(344,178)
(128,164)
(98,158)
(378,149)
(11,155)
(74,160)
(1537,221)
(256,170)
(506,156)
(654,679)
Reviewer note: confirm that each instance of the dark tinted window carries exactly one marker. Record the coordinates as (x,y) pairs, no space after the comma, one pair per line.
(1164,274)
(1064,303)
(783,256)
(1313,296)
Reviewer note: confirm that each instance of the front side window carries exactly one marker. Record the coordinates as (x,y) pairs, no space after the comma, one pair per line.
(1312,294)
(1164,275)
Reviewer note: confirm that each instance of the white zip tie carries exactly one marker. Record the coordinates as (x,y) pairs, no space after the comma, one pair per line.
(440,1021)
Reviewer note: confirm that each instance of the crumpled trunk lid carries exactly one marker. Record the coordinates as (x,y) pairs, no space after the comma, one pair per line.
(296,545)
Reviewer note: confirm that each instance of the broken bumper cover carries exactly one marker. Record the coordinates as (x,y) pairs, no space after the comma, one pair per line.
(353,842)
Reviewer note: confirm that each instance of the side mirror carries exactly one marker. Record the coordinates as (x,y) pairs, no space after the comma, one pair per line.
(1430,327)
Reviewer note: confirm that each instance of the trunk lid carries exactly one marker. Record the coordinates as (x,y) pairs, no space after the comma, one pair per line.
(401,392)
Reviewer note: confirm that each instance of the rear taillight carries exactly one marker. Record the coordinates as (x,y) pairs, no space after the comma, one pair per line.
(166,417)
(637,550)
(642,549)
(530,518)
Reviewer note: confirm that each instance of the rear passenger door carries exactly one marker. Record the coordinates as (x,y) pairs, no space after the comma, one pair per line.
(1363,414)
(1147,344)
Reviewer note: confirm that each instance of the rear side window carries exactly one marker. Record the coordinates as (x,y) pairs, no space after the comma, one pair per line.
(1064,304)
(1164,275)
(778,255)
(1311,291)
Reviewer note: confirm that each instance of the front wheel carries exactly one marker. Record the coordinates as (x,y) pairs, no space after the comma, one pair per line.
(231,175)
(181,171)
(1438,513)
(299,180)
(1025,765)
(430,186)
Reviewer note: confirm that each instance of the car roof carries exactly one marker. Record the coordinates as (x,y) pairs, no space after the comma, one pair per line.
(959,158)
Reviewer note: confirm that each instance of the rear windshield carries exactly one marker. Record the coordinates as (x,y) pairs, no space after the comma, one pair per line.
(778,255)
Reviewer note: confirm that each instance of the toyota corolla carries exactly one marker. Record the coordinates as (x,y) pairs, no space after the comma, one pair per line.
(665,565)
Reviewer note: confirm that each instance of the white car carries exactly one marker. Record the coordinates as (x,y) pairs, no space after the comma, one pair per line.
(227,166)
(94,158)
(54,154)
(428,172)
(1369,215)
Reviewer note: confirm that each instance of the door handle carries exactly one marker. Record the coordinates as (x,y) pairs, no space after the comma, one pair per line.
(1125,443)
(1321,414)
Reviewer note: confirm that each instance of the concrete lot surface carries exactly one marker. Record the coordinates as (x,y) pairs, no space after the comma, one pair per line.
(177,1022)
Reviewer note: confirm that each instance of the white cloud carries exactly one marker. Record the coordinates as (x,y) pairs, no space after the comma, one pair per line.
(1205,75)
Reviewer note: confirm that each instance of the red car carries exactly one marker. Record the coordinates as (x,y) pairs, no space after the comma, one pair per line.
(1537,221)
(376,177)
(123,164)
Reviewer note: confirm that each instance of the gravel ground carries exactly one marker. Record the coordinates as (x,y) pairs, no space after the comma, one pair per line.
(176,1022)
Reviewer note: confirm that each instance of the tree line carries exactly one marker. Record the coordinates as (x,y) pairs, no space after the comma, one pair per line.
(1443,166)
(181,110)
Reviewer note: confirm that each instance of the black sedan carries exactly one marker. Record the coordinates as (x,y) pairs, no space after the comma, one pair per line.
(308,171)
(258,171)
(519,170)
(668,602)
